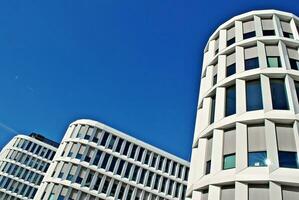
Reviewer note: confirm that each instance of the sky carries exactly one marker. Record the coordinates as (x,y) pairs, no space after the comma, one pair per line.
(134,65)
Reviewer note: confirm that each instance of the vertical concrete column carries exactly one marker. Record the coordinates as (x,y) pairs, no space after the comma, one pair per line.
(209,78)
(238,31)
(241,146)
(241,96)
(240,65)
(275,191)
(207,102)
(221,73)
(277,26)
(241,191)
(197,127)
(294,29)
(211,50)
(266,93)
(214,192)
(222,40)
(283,55)
(217,151)
(196,195)
(291,94)
(262,55)
(271,144)
(220,103)
(258,26)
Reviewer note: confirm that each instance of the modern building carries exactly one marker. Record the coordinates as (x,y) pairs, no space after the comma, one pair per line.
(97,162)
(246,138)
(23,164)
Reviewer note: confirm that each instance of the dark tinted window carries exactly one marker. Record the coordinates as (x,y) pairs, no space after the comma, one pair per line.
(230,70)
(288,159)
(278,93)
(253,95)
(230,103)
(268,32)
(251,63)
(294,64)
(230,42)
(249,35)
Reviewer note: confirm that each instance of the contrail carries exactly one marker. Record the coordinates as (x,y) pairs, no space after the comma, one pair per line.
(8,128)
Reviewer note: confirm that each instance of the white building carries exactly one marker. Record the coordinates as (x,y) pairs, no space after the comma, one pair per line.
(246,136)
(97,162)
(23,164)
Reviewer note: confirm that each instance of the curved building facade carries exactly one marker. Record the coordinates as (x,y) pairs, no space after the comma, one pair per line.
(24,162)
(246,138)
(97,162)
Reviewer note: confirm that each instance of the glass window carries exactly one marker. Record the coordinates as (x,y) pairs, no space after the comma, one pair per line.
(212,118)
(293,57)
(230,36)
(126,149)
(229,161)
(257,155)
(288,159)
(111,142)
(104,139)
(97,157)
(119,144)
(120,167)
(257,159)
(105,161)
(230,101)
(268,32)
(249,35)
(209,154)
(297,89)
(229,148)
(273,61)
(254,99)
(248,29)
(287,152)
(294,64)
(278,93)
(230,42)
(231,69)
(252,63)
(215,79)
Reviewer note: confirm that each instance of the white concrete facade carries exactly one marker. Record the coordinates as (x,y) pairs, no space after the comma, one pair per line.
(23,164)
(97,162)
(258,50)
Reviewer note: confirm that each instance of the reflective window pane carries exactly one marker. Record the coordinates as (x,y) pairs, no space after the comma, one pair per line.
(254,99)
(251,63)
(278,93)
(230,70)
(229,161)
(294,64)
(230,103)
(273,61)
(288,159)
(257,159)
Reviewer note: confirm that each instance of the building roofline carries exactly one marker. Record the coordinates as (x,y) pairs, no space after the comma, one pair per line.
(28,137)
(131,139)
(248,14)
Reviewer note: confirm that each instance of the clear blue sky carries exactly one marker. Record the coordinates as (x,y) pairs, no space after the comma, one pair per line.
(134,64)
